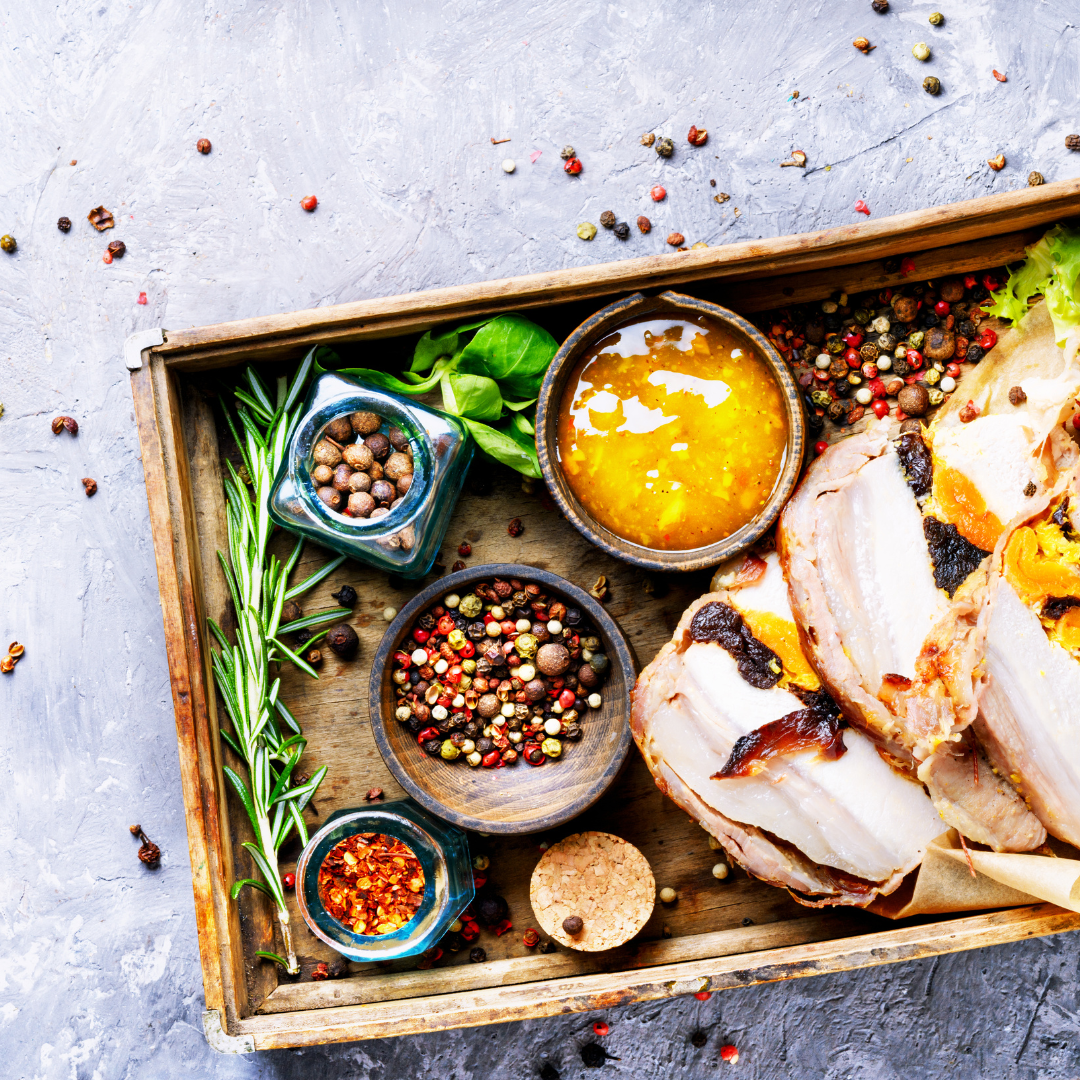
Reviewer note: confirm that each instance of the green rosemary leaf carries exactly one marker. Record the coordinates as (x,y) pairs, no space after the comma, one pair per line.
(259,389)
(271,956)
(313,620)
(235,892)
(314,579)
(296,388)
(266,415)
(245,796)
(302,664)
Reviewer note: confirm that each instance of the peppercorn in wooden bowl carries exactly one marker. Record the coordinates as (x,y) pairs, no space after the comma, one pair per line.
(670,432)
(511,796)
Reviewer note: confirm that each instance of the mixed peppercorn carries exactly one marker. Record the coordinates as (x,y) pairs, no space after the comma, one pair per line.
(898,350)
(504,671)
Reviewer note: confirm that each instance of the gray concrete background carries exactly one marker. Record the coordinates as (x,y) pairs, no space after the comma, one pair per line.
(385,111)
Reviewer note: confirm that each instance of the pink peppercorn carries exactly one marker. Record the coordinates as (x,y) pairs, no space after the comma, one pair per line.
(657,193)
(309,203)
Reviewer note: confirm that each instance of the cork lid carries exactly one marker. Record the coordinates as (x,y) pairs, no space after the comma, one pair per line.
(597,878)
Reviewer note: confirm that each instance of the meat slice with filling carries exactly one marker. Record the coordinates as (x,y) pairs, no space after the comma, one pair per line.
(734,725)
(896,651)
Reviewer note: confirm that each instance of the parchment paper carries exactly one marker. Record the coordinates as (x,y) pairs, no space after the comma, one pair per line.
(944,883)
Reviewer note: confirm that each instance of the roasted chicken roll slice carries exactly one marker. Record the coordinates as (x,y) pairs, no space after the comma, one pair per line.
(891,606)
(1029,709)
(734,725)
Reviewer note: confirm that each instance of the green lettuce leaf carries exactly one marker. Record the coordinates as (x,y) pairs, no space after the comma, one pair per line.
(1052,270)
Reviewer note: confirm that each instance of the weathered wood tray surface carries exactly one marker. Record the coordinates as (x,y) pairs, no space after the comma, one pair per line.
(718,934)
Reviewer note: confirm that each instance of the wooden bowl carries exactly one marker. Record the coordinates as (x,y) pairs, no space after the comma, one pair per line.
(600,325)
(520,798)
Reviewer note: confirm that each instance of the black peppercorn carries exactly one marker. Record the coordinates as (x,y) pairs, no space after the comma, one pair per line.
(607,219)
(594,1055)
(491,908)
(549,1072)
(622,230)
(345,596)
(432,747)
(966,328)
(1072,142)
(573,616)
(880,6)
(699,1039)
(484,745)
(477,955)
(304,636)
(929,320)
(343,640)
(748,922)
(932,85)
(64,224)
(974,354)
(664,147)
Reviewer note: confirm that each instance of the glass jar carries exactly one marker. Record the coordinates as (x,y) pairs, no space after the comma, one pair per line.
(405,541)
(443,851)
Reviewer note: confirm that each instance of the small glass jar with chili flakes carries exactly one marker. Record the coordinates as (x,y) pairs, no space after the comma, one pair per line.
(382,882)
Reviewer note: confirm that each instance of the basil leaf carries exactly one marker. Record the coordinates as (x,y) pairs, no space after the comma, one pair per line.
(518,406)
(473,325)
(505,449)
(474,396)
(429,349)
(387,382)
(511,347)
(521,425)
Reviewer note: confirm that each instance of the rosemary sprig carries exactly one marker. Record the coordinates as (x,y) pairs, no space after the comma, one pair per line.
(265,734)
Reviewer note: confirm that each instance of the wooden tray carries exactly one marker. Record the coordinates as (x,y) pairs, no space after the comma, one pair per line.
(718,934)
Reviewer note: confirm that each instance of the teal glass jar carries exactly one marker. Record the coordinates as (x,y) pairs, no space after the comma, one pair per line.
(405,541)
(443,851)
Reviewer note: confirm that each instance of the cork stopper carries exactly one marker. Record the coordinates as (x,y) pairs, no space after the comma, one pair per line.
(598,879)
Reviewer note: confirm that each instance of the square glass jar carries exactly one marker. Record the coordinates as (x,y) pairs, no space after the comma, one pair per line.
(405,541)
(443,851)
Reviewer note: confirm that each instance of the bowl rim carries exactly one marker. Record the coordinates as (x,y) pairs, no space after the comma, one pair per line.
(618,651)
(547,410)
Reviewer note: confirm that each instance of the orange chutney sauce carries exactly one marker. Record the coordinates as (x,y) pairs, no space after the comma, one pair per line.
(672,433)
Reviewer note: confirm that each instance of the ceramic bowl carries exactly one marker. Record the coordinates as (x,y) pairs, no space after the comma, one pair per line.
(602,324)
(518,798)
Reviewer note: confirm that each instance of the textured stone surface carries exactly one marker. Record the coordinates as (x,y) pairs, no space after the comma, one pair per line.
(385,113)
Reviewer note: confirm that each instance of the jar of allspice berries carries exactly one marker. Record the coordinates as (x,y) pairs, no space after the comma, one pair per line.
(372,475)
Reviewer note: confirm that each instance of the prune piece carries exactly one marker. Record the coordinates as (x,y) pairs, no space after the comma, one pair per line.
(1056,606)
(954,558)
(718,622)
(917,463)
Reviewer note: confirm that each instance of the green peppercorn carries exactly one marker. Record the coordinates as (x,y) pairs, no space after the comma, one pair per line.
(936,19)
(456,640)
(448,751)
(921,51)
(932,85)
(861,316)
(835,346)
(600,663)
(7,243)
(551,747)
(586,230)
(468,666)
(470,605)
(525,645)
(916,339)
(665,147)
(821,398)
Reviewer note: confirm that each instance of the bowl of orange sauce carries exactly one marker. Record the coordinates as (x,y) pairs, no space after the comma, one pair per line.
(669,431)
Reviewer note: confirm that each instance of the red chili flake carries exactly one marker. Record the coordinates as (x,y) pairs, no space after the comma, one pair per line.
(321,972)
(371,883)
(862,208)
(515,528)
(987,339)
(907,266)
(729,1054)
(1000,76)
(107,257)
(703,995)
(142,298)
(531,938)
(970,281)
(470,931)
(309,203)
(479,880)
(572,166)
(600,1028)
(881,409)
(501,929)
(534,157)
(990,283)
(374,794)
(657,193)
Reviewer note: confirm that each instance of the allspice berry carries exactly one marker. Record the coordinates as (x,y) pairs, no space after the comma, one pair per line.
(552,659)
(64,224)
(331,497)
(364,423)
(343,640)
(326,453)
(1017,395)
(914,400)
(383,492)
(378,444)
(358,455)
(342,475)
(361,504)
(290,612)
(397,465)
(398,439)
(360,481)
(340,430)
